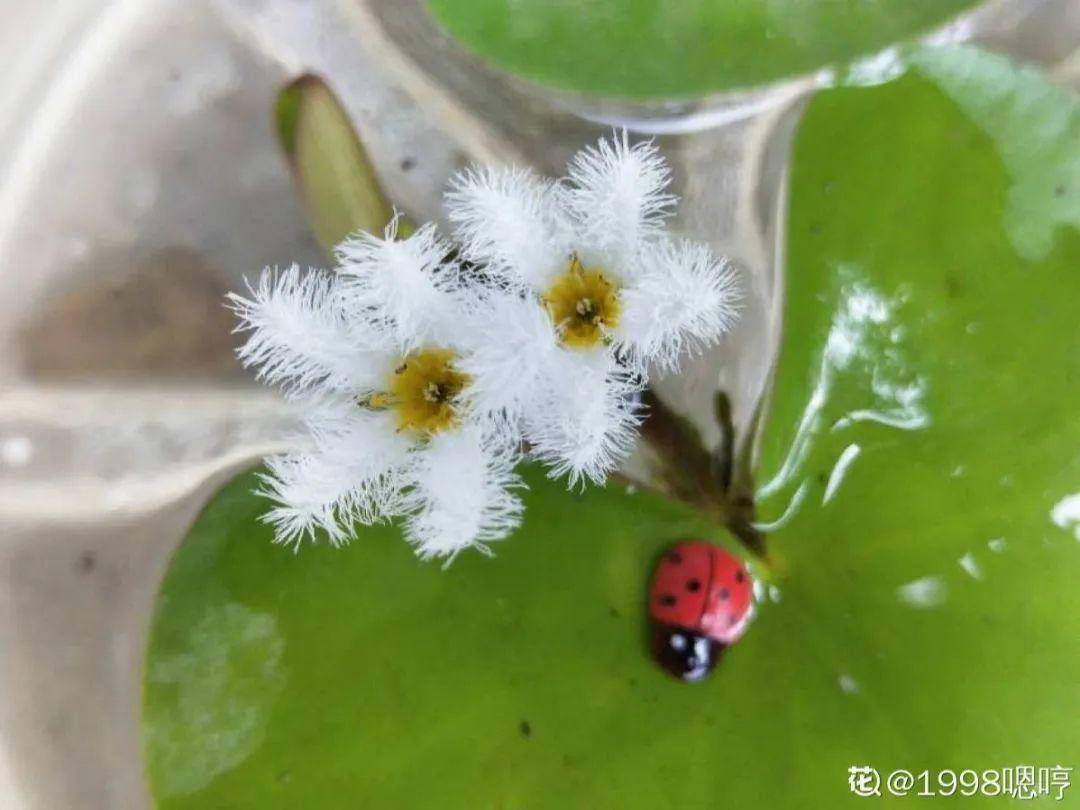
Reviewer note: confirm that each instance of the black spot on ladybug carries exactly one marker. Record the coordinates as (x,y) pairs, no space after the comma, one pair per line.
(693,585)
(739,575)
(724,593)
(675,557)
(667,600)
(526,729)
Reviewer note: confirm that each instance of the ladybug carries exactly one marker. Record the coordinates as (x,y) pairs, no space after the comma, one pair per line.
(700,601)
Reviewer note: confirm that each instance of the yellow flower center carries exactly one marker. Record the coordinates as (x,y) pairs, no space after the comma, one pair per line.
(583,305)
(424,391)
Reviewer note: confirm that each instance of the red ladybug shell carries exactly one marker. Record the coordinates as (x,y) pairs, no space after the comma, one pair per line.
(702,588)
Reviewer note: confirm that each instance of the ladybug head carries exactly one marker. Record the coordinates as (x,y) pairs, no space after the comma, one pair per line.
(686,654)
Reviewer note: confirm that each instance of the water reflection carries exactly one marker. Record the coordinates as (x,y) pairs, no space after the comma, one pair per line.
(1066,514)
(848,685)
(865,374)
(971,566)
(924,593)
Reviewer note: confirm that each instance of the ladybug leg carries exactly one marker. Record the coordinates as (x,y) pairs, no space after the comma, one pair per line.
(686,654)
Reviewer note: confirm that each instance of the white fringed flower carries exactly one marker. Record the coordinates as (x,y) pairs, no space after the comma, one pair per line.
(376,356)
(593,293)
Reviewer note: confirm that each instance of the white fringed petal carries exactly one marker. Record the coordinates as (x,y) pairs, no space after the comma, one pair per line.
(402,283)
(462,496)
(510,221)
(586,421)
(352,475)
(683,300)
(508,341)
(301,340)
(617,193)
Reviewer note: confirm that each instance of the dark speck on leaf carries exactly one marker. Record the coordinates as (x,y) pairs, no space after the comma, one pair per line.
(526,729)
(614,613)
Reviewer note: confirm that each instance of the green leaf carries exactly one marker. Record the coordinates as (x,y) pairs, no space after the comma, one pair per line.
(1035,127)
(925,438)
(926,614)
(391,683)
(338,184)
(651,48)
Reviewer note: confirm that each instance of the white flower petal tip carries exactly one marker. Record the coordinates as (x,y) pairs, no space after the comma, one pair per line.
(685,300)
(300,339)
(619,192)
(463,496)
(353,474)
(509,341)
(586,423)
(407,283)
(508,220)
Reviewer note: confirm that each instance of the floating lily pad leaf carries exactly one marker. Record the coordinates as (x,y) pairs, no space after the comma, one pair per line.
(500,681)
(339,186)
(925,613)
(923,453)
(650,48)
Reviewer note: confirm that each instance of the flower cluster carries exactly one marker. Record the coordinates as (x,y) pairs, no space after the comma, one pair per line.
(427,371)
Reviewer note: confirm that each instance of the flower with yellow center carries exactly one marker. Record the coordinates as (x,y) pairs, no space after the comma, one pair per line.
(374,356)
(577,341)
(583,305)
(425,392)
